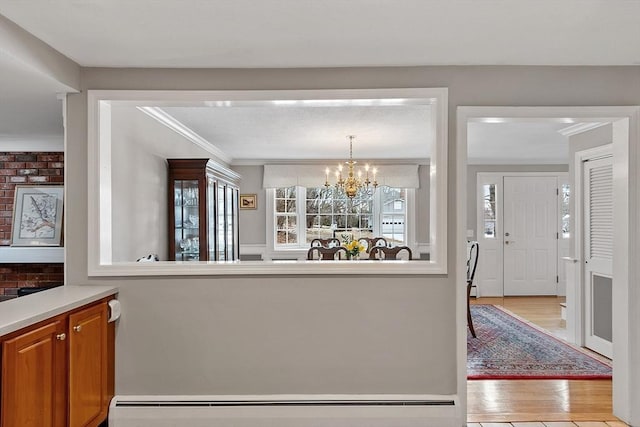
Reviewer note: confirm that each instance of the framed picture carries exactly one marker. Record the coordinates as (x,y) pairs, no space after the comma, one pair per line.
(248,201)
(37,215)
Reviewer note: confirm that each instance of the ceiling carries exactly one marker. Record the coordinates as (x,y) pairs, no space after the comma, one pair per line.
(296,132)
(333,33)
(313,33)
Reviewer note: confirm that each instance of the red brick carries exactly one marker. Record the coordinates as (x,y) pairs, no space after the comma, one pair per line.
(7,157)
(7,172)
(56,165)
(5,242)
(6,214)
(7,186)
(48,158)
(50,172)
(13,165)
(17,178)
(35,165)
(6,200)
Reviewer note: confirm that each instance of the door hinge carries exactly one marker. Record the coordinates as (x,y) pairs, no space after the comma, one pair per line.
(557,191)
(557,236)
(557,279)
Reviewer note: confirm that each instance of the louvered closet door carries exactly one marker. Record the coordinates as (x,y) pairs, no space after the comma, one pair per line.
(598,247)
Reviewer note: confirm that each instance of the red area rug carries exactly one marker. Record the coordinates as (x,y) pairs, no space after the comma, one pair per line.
(509,347)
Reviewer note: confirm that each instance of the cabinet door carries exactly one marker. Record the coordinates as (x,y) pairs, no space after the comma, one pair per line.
(33,378)
(88,366)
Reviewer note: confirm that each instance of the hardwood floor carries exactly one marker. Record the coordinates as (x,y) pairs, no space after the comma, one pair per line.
(538,400)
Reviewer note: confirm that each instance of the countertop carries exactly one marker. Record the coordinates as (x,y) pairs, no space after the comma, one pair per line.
(21,312)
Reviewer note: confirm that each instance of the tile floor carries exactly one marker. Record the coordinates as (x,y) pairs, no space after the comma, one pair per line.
(553,424)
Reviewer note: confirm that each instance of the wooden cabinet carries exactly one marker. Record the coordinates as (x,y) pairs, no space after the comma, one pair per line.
(34,377)
(57,373)
(88,400)
(203,211)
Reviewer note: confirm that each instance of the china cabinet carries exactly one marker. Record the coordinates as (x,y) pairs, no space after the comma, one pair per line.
(203,211)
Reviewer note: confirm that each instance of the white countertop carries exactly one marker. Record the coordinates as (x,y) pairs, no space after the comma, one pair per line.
(21,312)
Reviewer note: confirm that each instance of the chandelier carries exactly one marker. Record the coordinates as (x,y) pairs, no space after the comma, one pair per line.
(353,181)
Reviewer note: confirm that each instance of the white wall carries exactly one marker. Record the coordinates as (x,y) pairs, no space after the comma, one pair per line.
(244,334)
(140,147)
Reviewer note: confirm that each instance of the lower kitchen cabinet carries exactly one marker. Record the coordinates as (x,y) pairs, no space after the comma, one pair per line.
(57,373)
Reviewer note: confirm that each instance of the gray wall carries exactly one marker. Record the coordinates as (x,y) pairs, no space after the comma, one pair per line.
(248,334)
(472,175)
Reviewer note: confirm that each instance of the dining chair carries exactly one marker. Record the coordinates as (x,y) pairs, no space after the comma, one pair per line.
(371,242)
(383,252)
(473,249)
(327,254)
(325,243)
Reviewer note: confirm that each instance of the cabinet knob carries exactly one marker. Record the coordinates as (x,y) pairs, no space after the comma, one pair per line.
(61,337)
(77,328)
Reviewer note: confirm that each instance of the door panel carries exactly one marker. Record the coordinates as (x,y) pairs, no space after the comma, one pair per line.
(530,235)
(598,247)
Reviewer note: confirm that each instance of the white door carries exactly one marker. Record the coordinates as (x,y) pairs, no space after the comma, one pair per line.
(598,251)
(530,235)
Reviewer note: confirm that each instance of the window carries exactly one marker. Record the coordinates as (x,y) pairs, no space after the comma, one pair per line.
(286,217)
(489,210)
(330,213)
(565,218)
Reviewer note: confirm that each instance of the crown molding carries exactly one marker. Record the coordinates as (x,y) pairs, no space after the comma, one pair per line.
(580,128)
(175,125)
(262,162)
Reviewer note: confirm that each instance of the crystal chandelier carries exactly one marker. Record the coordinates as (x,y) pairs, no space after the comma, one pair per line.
(353,181)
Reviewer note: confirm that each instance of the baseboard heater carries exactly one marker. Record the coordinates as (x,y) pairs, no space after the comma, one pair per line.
(285,411)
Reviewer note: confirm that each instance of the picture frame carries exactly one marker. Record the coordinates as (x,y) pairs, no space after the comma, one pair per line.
(248,201)
(37,215)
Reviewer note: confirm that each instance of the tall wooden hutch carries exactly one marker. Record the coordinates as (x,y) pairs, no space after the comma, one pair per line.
(203,211)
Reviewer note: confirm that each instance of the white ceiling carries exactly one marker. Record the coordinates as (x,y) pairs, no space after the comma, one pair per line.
(313,33)
(294,132)
(30,113)
(334,33)
(517,143)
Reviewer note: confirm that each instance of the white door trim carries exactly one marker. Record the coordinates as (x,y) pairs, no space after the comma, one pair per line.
(626,297)
(575,294)
(483,178)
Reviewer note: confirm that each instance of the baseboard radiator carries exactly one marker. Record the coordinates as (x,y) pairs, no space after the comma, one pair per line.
(285,411)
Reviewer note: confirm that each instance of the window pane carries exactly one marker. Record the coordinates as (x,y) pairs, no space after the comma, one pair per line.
(489,210)
(291,205)
(565,193)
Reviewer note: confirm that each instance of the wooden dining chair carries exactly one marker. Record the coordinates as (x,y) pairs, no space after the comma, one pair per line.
(327,254)
(371,242)
(383,252)
(325,243)
(472,264)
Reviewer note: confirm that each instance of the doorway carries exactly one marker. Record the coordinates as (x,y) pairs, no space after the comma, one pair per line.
(624,122)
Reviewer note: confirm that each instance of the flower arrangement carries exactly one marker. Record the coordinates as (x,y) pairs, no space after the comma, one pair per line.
(352,246)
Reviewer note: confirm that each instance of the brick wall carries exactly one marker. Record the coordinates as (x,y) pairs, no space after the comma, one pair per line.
(25,168)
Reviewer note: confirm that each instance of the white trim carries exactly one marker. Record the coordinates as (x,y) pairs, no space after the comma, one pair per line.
(178,127)
(99,197)
(253,249)
(355,410)
(579,128)
(23,255)
(626,138)
(324,162)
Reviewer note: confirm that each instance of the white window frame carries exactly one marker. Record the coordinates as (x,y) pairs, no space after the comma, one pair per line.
(99,194)
(299,251)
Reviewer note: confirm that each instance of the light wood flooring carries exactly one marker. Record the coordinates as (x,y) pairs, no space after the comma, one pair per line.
(538,403)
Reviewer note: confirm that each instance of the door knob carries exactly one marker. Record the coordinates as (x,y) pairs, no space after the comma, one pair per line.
(506,234)
(61,337)
(77,328)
